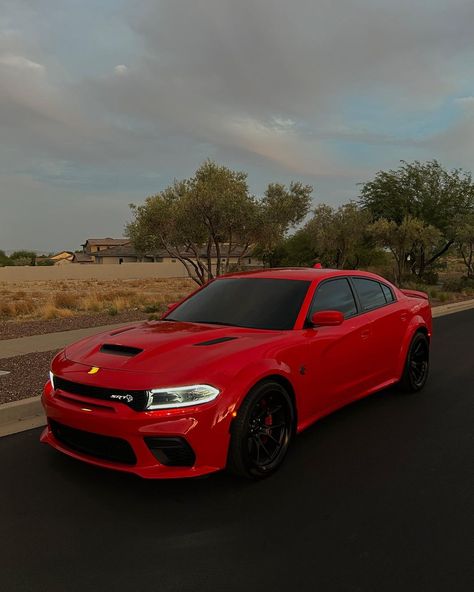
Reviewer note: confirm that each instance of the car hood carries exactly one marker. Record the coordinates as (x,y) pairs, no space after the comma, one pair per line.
(166,346)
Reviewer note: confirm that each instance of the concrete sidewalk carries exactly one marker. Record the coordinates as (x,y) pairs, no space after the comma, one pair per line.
(49,341)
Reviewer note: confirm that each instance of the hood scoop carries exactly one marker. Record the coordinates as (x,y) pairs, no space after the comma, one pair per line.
(120,350)
(215,341)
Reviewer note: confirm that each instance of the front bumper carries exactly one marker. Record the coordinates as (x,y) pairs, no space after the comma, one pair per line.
(205,428)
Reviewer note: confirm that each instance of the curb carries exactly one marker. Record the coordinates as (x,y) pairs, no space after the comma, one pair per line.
(19,416)
(27,414)
(446,309)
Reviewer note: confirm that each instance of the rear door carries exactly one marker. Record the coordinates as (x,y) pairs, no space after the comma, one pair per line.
(387,321)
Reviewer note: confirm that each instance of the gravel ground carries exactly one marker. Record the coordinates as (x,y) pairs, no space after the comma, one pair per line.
(14,329)
(27,376)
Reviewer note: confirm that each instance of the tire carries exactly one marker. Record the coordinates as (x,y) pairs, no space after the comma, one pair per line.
(417,364)
(261,432)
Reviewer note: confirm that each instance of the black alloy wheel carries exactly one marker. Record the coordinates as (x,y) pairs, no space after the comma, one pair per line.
(417,364)
(262,431)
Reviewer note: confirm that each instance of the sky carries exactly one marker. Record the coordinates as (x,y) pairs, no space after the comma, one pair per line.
(103,103)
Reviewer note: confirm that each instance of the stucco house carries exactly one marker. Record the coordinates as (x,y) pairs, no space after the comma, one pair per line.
(95,245)
(109,251)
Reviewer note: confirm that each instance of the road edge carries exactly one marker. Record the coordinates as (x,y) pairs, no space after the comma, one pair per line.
(19,416)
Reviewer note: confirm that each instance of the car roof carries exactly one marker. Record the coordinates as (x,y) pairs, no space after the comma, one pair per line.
(300,273)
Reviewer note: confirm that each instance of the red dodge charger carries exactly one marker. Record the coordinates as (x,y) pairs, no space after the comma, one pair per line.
(229,375)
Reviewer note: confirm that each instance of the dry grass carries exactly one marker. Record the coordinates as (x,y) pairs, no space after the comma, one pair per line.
(61,299)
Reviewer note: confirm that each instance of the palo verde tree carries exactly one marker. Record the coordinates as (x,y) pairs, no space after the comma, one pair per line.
(339,235)
(280,210)
(403,239)
(424,191)
(208,218)
(464,229)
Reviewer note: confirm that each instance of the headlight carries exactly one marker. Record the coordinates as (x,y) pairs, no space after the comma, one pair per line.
(51,379)
(181,396)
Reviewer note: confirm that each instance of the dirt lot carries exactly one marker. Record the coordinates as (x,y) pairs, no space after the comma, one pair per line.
(64,299)
(27,377)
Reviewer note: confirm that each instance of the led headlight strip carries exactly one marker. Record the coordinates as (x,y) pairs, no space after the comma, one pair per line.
(181,396)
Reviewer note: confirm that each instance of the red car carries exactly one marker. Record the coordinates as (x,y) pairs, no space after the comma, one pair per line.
(234,371)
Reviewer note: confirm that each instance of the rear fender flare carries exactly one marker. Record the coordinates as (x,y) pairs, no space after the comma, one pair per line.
(417,323)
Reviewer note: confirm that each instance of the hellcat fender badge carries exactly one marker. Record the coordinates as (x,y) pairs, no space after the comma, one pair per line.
(93,370)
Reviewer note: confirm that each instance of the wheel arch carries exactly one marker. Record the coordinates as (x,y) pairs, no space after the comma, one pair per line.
(418,325)
(285,382)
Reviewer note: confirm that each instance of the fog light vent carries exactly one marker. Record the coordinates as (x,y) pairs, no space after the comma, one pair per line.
(171,451)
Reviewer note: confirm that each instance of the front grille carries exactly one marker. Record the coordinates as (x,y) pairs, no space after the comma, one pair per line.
(104,447)
(171,451)
(137,400)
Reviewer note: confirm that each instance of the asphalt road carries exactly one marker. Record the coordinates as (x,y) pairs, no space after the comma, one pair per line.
(379,496)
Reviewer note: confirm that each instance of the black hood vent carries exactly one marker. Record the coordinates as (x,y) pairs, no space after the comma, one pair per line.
(120,350)
(216,341)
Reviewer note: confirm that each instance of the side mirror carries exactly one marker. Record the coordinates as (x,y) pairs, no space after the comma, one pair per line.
(327,318)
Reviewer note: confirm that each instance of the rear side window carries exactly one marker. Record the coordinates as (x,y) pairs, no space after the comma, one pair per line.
(334,295)
(370,293)
(387,292)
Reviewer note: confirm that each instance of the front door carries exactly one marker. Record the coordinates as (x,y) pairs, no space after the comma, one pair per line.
(338,356)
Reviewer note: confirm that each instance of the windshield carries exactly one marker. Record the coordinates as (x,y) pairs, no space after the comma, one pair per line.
(258,303)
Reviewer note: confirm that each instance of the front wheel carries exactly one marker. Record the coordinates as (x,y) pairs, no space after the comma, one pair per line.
(261,432)
(417,364)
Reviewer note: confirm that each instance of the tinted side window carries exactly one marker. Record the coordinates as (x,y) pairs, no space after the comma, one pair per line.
(389,297)
(334,295)
(370,293)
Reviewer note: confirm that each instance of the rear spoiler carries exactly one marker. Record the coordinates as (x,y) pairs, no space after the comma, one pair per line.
(415,294)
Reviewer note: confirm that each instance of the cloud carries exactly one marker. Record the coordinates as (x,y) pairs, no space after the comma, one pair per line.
(121,69)
(20,62)
(142,92)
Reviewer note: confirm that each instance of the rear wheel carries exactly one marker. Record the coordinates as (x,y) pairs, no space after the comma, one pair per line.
(417,364)
(261,432)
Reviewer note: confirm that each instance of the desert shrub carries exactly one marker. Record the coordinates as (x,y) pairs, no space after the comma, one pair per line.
(154,307)
(459,284)
(66,300)
(430,277)
(7,310)
(45,263)
(50,311)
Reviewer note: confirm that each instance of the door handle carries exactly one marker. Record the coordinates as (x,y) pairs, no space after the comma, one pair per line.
(365,333)
(403,316)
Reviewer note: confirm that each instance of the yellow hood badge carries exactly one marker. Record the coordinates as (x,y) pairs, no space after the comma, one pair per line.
(93,370)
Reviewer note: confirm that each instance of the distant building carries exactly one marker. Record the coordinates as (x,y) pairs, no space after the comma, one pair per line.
(120,250)
(62,257)
(57,259)
(95,245)
(83,258)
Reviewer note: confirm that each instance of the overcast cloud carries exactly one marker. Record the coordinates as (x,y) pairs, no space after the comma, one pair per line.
(103,103)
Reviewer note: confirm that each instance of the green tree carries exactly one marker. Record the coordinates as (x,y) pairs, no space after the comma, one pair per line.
(339,235)
(23,258)
(4,259)
(281,209)
(402,239)
(464,227)
(205,219)
(427,192)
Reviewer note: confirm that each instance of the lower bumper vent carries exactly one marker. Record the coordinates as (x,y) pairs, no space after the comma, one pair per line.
(172,452)
(96,445)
